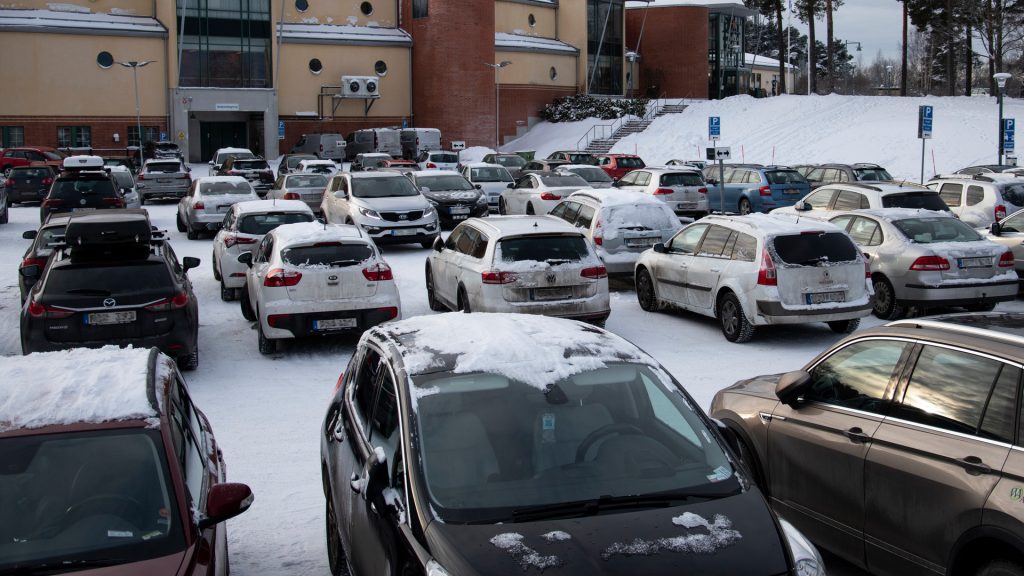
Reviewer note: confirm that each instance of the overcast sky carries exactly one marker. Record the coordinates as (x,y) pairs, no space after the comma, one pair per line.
(876,24)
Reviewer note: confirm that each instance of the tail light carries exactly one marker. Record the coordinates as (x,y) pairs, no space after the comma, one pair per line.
(199,206)
(867,269)
(766,275)
(292,196)
(391,311)
(598,234)
(33,262)
(37,310)
(378,272)
(231,240)
(765,190)
(280,278)
(10,183)
(1000,212)
(52,202)
(179,300)
(431,165)
(594,272)
(663,191)
(549,196)
(702,190)
(47,181)
(141,177)
(273,320)
(494,277)
(927,263)
(337,385)
(1006,260)
(114,202)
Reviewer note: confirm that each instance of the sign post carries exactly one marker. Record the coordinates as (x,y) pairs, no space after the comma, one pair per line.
(714,133)
(720,153)
(924,130)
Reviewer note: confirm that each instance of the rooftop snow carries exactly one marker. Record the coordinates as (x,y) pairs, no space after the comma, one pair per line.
(79,22)
(257,206)
(894,214)
(79,385)
(522,43)
(736,7)
(350,35)
(758,60)
(232,179)
(775,224)
(430,173)
(615,197)
(516,225)
(306,232)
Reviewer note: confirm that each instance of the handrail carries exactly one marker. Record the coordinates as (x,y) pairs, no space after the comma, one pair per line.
(608,130)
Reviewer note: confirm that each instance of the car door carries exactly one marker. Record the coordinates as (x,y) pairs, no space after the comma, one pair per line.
(952,194)
(1011,235)
(441,268)
(464,268)
(671,267)
(706,267)
(817,447)
(936,458)
(522,193)
(258,271)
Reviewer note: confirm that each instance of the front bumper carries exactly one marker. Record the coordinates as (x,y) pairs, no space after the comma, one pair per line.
(384,232)
(447,212)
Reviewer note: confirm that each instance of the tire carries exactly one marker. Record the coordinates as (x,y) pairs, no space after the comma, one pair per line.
(216,270)
(226,294)
(246,305)
(335,551)
(735,325)
(501,207)
(844,326)
(745,207)
(645,292)
(7,171)
(191,234)
(886,306)
(463,301)
(189,362)
(6,216)
(428,244)
(266,345)
(529,210)
(1001,568)
(972,308)
(431,299)
(181,224)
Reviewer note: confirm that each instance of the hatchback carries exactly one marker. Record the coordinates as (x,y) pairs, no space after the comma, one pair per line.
(255,170)
(109,468)
(306,187)
(981,200)
(43,240)
(208,200)
(929,259)
(164,178)
(312,279)
(492,179)
(681,188)
(515,444)
(749,189)
(451,195)
(83,185)
(26,155)
(28,183)
(899,448)
(754,270)
(538,192)
(827,201)
(595,176)
(438,160)
(618,165)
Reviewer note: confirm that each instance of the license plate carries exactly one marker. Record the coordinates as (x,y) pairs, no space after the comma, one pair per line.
(557,293)
(163,181)
(823,297)
(460,210)
(403,232)
(459,217)
(686,205)
(28,181)
(973,262)
(791,191)
(334,324)
(106,318)
(641,242)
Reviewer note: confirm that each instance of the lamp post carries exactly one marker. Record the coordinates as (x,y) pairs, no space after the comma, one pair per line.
(1001,78)
(497,100)
(135,65)
(847,43)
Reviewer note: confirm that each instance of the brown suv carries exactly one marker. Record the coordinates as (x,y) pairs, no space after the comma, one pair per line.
(899,448)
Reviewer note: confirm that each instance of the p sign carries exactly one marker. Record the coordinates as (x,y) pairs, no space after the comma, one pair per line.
(924,122)
(714,127)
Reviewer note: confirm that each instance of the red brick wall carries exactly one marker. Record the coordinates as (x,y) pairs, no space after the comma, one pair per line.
(519,102)
(673,51)
(42,130)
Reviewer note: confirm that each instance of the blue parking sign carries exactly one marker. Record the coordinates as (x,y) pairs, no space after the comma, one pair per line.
(714,127)
(925,116)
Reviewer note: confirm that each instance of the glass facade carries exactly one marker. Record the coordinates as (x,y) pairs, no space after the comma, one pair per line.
(727,72)
(226,43)
(605,46)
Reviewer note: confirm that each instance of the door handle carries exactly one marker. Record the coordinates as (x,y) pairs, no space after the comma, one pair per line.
(356,483)
(974,465)
(716,270)
(857,435)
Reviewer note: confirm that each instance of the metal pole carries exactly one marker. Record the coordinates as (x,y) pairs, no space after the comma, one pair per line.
(1001,91)
(497,108)
(721,184)
(138,114)
(923,141)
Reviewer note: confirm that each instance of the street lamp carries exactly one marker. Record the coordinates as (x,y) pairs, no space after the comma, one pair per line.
(497,100)
(135,65)
(1001,78)
(849,80)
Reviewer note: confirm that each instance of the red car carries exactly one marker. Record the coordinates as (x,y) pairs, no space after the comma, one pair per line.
(107,468)
(618,165)
(25,155)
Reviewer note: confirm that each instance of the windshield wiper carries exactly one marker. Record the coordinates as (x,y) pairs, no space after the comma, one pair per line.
(606,503)
(60,566)
(341,263)
(90,291)
(557,261)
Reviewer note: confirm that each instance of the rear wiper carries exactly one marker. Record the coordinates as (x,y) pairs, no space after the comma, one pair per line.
(605,503)
(557,261)
(90,291)
(345,262)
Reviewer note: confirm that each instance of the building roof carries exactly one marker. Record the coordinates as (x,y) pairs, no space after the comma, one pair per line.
(78,21)
(763,61)
(506,42)
(347,35)
(737,8)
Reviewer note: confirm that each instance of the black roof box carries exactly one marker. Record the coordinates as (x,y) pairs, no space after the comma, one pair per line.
(106,227)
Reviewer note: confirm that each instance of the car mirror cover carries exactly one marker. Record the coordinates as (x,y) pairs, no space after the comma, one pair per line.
(791,385)
(224,501)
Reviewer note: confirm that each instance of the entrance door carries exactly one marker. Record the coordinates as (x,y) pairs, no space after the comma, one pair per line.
(222,135)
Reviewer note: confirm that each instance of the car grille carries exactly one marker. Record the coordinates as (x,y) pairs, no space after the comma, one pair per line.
(397,216)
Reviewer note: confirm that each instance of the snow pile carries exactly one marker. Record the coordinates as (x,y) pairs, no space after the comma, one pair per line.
(513,544)
(309,232)
(261,206)
(719,535)
(556,536)
(474,154)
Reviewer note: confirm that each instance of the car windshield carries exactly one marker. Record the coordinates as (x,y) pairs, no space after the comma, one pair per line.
(784,177)
(83,497)
(306,181)
(928,200)
(254,164)
(814,248)
(643,217)
(872,174)
(495,449)
(682,179)
(490,175)
(53,155)
(223,187)
(99,187)
(123,179)
(542,248)
(443,183)
(510,161)
(260,224)
(1013,193)
(933,230)
(327,254)
(592,174)
(383,187)
(444,158)
(563,180)
(163,167)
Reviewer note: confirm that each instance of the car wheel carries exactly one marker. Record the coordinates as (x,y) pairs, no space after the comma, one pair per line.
(886,307)
(431,299)
(463,302)
(216,269)
(266,345)
(6,215)
(645,293)
(190,233)
(7,171)
(1001,568)
(335,551)
(735,325)
(181,224)
(427,244)
(844,326)
(246,304)
(501,206)
(226,294)
(189,362)
(745,207)
(529,209)
(972,308)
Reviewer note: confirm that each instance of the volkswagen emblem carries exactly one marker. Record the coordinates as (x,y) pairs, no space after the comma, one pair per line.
(551,278)
(109,303)
(82,201)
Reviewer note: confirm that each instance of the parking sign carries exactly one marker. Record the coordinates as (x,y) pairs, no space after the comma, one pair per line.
(924,122)
(714,127)
(1009,127)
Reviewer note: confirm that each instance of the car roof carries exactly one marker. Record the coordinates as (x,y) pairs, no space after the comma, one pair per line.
(666,169)
(894,214)
(771,224)
(883,188)
(429,173)
(374,174)
(577,166)
(263,206)
(501,226)
(208,179)
(311,162)
(442,152)
(81,385)
(483,165)
(230,150)
(609,197)
(311,232)
(997,333)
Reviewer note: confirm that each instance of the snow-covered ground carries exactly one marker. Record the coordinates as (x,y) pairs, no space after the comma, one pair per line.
(266,411)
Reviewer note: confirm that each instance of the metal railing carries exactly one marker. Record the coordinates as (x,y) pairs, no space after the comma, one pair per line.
(602,131)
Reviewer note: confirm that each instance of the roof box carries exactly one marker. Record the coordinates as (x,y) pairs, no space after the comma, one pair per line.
(83,163)
(107,227)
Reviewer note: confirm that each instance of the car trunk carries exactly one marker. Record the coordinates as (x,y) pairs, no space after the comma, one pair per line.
(330,271)
(221,203)
(682,190)
(787,186)
(970,260)
(544,268)
(256,171)
(820,269)
(635,228)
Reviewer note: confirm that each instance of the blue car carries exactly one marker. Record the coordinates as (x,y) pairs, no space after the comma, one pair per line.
(751,188)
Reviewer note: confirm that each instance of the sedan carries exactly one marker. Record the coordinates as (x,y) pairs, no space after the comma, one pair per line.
(306,187)
(1010,233)
(539,192)
(208,200)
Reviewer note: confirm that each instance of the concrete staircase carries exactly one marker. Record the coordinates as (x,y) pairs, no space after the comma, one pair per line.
(603,144)
(670,109)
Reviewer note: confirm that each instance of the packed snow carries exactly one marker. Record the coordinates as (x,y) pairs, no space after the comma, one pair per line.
(719,535)
(528,557)
(309,232)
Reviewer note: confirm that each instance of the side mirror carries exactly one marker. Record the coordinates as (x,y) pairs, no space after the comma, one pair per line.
(478,186)
(126,190)
(511,185)
(29,234)
(791,385)
(659,248)
(424,189)
(210,162)
(245,258)
(996,229)
(376,479)
(224,501)
(438,244)
(802,206)
(341,194)
(189,262)
(34,270)
(729,435)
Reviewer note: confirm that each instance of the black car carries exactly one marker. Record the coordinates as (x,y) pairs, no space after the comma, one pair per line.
(445,450)
(82,184)
(39,251)
(832,173)
(454,198)
(114,280)
(255,170)
(28,183)
(289,162)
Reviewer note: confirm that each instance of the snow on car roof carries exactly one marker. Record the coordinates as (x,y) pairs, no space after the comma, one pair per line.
(894,214)
(430,173)
(376,174)
(209,179)
(312,162)
(308,232)
(575,166)
(232,150)
(482,165)
(258,206)
(537,350)
(773,224)
(518,225)
(77,385)
(615,197)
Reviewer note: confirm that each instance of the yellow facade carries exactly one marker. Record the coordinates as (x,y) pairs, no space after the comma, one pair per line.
(119,7)
(383,13)
(535,69)
(572,29)
(514,18)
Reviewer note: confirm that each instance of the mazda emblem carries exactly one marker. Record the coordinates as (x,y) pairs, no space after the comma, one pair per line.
(109,303)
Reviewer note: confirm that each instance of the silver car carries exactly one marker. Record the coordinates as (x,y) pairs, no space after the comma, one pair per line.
(385,204)
(492,179)
(594,175)
(300,186)
(1010,233)
(925,258)
(208,200)
(163,178)
(681,187)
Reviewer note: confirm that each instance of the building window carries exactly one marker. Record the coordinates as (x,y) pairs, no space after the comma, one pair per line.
(152,134)
(104,60)
(225,43)
(315,66)
(301,5)
(419,8)
(381,68)
(366,8)
(74,137)
(532,20)
(605,47)
(13,136)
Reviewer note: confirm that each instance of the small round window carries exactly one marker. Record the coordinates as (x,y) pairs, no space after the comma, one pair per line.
(553,73)
(381,68)
(315,66)
(301,5)
(532,20)
(366,8)
(104,59)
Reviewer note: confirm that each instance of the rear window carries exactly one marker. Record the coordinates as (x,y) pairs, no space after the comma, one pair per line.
(225,155)
(163,167)
(123,179)
(810,249)
(445,158)
(631,163)
(1013,193)
(543,248)
(167,146)
(443,183)
(216,188)
(99,187)
(513,161)
(592,174)
(643,217)
(328,254)
(682,179)
(784,177)
(582,159)
(34,173)
(144,275)
(490,175)
(876,174)
(932,230)
(53,155)
(264,223)
(925,200)
(293,161)
(306,181)
(250,165)
(563,180)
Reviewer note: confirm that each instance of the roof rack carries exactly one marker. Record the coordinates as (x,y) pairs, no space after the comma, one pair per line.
(860,185)
(960,328)
(866,165)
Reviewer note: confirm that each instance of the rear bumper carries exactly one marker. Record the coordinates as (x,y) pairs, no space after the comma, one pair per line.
(592,309)
(772,312)
(26,195)
(280,324)
(180,341)
(165,191)
(959,294)
(232,272)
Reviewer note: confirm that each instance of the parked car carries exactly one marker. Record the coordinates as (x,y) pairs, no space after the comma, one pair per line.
(404,165)
(804,169)
(929,259)
(244,226)
(163,178)
(1010,233)
(208,200)
(538,192)
(43,240)
(312,279)
(542,166)
(126,184)
(473,456)
(437,160)
(681,188)
(492,179)
(831,173)
(28,183)
(758,270)
(290,162)
(113,281)
(984,169)
(827,201)
(574,157)
(417,140)
(757,189)
(896,448)
(980,200)
(122,475)
(386,205)
(451,195)
(255,170)
(323,146)
(323,167)
(223,154)
(304,186)
(595,176)
(167,149)
(83,184)
(26,155)
(131,162)
(618,165)
(369,161)
(368,140)
(698,164)
(620,223)
(514,163)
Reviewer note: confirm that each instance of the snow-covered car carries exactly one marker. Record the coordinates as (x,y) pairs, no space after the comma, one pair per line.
(438,160)
(313,279)
(223,154)
(163,178)
(385,204)
(306,187)
(126,182)
(538,192)
(208,200)
(244,227)
(491,179)
(524,264)
(681,187)
(757,270)
(515,444)
(595,176)
(451,195)
(982,199)
(620,223)
(928,259)
(366,161)
(825,202)
(1010,233)
(325,167)
(256,170)
(109,468)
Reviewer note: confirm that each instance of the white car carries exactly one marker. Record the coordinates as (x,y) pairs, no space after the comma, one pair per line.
(314,279)
(538,192)
(756,270)
(385,204)
(325,167)
(827,201)
(222,154)
(126,182)
(492,179)
(982,199)
(524,264)
(242,230)
(438,160)
(208,200)
(681,187)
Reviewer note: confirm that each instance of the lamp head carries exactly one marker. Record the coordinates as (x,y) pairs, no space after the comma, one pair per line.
(1001,78)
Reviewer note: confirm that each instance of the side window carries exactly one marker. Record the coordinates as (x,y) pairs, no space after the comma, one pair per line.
(744,248)
(843,176)
(847,200)
(842,222)
(857,376)
(752,177)
(384,430)
(999,420)
(643,178)
(572,209)
(975,195)
(866,232)
(666,413)
(364,390)
(820,198)
(586,217)
(558,211)
(815,174)
(714,241)
(467,241)
(480,247)
(948,389)
(950,194)
(262,251)
(452,242)
(629,179)
(685,242)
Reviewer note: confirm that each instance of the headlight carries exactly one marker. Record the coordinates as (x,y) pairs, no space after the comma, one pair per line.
(806,559)
(430,211)
(369,213)
(482,199)
(435,569)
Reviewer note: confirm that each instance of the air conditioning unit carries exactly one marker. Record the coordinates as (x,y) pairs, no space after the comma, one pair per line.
(360,87)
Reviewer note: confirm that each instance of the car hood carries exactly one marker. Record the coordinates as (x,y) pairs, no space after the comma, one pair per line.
(732,535)
(393,203)
(171,564)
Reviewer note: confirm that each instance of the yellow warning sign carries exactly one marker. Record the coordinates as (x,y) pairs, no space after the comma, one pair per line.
(181,134)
